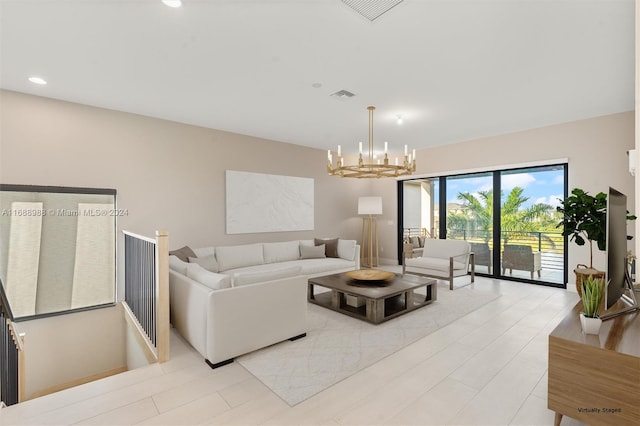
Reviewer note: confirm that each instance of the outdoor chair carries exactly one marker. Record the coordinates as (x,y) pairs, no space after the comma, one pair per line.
(522,258)
(483,255)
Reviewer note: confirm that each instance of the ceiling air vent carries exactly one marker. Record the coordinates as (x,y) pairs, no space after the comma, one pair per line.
(342,94)
(371,9)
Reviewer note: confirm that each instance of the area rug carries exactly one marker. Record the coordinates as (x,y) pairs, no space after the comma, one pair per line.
(337,346)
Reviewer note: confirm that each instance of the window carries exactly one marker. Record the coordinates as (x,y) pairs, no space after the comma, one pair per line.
(515,231)
(57,248)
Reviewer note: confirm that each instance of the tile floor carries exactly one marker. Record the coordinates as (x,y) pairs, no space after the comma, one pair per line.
(487,368)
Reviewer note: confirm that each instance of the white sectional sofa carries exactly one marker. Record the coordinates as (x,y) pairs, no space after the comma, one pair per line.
(230,300)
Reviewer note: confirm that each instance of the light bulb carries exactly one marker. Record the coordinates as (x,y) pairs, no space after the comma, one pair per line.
(38,80)
(172,3)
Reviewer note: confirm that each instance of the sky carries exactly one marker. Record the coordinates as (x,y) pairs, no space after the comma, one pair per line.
(540,186)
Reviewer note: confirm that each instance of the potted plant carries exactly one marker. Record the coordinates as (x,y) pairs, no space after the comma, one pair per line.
(584,218)
(591,296)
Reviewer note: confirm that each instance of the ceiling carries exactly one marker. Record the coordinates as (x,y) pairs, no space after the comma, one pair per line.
(455,70)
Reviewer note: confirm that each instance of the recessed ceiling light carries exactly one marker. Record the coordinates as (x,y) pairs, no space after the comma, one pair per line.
(37,80)
(172,3)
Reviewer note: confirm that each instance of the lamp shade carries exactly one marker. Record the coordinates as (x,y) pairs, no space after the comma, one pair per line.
(370,205)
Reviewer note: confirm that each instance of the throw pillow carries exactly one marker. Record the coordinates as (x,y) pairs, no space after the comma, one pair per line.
(183,253)
(315,252)
(178,265)
(415,241)
(210,279)
(207,262)
(347,249)
(331,246)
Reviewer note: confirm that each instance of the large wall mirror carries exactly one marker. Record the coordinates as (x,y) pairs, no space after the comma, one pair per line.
(57,248)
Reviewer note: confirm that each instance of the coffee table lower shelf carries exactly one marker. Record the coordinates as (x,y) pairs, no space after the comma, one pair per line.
(375,309)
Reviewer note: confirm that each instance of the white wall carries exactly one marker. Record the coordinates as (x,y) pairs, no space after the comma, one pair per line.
(596,150)
(170,176)
(67,348)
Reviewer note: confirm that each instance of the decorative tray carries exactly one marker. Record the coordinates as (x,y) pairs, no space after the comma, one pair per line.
(370,275)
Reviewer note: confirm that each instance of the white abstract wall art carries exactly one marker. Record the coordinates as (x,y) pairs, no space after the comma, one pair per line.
(24,257)
(259,202)
(94,268)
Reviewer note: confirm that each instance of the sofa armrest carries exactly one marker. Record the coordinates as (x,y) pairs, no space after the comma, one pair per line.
(357,257)
(537,260)
(407,251)
(243,319)
(188,306)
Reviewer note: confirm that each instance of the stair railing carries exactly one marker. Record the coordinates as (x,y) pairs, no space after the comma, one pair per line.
(12,367)
(146,301)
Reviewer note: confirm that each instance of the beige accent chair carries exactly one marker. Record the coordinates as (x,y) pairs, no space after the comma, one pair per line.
(443,259)
(522,258)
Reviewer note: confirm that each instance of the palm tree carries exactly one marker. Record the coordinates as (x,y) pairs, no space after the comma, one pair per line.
(478,212)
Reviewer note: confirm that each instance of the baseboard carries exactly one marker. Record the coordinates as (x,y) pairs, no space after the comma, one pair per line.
(77,382)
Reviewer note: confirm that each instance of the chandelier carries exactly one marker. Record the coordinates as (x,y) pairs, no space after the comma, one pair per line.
(371,169)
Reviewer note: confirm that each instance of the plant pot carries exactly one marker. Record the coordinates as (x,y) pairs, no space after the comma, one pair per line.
(590,325)
(583,270)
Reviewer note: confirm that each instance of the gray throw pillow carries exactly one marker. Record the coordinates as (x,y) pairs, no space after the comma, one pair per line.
(312,252)
(183,253)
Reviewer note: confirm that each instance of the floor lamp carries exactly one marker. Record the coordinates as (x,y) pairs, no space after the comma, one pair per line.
(369,206)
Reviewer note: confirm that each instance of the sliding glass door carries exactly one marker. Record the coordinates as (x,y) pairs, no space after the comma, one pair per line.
(532,246)
(469,215)
(513,235)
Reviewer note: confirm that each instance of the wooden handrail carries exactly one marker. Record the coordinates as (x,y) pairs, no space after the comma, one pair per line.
(162,291)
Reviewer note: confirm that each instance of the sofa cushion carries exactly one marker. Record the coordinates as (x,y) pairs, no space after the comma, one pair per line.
(347,249)
(315,252)
(328,265)
(231,257)
(210,279)
(307,243)
(178,265)
(444,249)
(207,262)
(204,251)
(183,253)
(245,278)
(434,263)
(281,252)
(331,246)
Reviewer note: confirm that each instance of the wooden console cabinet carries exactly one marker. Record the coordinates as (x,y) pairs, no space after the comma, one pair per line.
(595,379)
